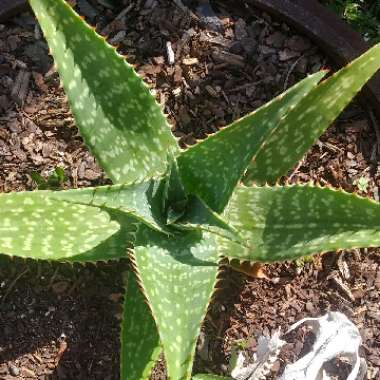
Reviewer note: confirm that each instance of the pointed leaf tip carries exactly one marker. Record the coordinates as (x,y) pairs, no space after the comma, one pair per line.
(140,343)
(120,121)
(302,126)
(178,276)
(283,223)
(35,225)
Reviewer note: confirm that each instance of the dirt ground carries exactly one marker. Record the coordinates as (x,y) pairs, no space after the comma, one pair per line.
(61,321)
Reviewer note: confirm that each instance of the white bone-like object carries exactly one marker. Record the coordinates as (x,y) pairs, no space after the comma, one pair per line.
(336,336)
(266,354)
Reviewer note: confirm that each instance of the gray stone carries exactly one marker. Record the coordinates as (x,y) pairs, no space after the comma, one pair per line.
(13,370)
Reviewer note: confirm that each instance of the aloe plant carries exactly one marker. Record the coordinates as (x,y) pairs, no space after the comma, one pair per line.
(176,214)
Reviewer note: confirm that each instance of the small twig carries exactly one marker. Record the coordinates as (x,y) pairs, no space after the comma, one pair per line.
(296,169)
(230,58)
(343,287)
(244,86)
(291,69)
(53,278)
(106,30)
(13,283)
(95,340)
(332,148)
(343,267)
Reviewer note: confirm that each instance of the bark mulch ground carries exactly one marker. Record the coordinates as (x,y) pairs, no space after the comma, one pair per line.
(61,321)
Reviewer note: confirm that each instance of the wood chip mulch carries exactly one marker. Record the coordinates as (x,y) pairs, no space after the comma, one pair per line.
(61,322)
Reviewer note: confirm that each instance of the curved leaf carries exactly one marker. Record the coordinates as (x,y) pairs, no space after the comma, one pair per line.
(37,226)
(178,274)
(301,127)
(142,200)
(281,223)
(117,116)
(212,168)
(113,248)
(199,216)
(140,343)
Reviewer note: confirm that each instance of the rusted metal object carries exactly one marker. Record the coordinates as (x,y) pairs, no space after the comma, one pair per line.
(9,8)
(335,37)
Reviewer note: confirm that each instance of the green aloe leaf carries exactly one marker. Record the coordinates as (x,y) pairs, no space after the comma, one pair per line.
(142,200)
(175,198)
(178,275)
(115,247)
(199,216)
(212,168)
(281,223)
(205,376)
(301,127)
(117,116)
(34,225)
(140,343)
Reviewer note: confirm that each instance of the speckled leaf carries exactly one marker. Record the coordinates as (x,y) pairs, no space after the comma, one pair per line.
(205,376)
(212,168)
(117,116)
(175,197)
(113,248)
(301,127)
(34,225)
(140,343)
(141,200)
(178,275)
(281,223)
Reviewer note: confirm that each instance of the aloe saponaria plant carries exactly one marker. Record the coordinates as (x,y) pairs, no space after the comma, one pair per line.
(177,213)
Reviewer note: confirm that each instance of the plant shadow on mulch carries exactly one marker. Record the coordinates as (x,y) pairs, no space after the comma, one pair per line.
(61,321)
(54,313)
